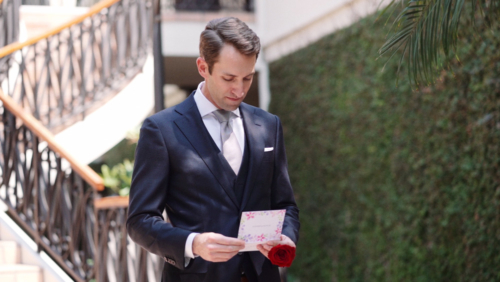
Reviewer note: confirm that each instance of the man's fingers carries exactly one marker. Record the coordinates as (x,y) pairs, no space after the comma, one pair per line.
(266,247)
(273,243)
(216,247)
(221,256)
(224,248)
(226,241)
(263,250)
(223,240)
(284,241)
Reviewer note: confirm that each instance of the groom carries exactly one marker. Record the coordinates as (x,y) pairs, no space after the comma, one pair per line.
(207,160)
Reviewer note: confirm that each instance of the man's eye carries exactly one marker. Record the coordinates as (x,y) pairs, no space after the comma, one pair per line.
(247,78)
(227,79)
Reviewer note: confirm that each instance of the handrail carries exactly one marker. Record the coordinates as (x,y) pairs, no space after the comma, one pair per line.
(51,201)
(111,202)
(9,49)
(66,73)
(117,256)
(32,123)
(88,58)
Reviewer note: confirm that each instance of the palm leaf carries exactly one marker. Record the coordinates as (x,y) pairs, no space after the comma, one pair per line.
(426,28)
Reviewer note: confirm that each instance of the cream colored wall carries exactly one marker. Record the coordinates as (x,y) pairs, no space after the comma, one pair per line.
(40,19)
(288,25)
(181,31)
(281,17)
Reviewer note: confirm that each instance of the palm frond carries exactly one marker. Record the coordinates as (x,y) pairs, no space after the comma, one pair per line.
(425,28)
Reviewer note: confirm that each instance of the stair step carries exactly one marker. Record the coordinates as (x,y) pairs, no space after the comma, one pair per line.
(20,273)
(9,252)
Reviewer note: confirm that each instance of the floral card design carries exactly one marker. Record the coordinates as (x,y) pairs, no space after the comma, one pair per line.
(257,227)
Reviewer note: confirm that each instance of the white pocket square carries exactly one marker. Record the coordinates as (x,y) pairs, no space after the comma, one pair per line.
(268,149)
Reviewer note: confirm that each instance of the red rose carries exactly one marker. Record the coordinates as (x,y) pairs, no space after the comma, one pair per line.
(282,255)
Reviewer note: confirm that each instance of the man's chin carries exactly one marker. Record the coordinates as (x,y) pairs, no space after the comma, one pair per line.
(231,108)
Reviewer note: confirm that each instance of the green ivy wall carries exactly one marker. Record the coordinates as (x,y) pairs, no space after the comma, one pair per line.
(392,184)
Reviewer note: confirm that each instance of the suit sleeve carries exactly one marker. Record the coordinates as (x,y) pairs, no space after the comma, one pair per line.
(282,194)
(148,195)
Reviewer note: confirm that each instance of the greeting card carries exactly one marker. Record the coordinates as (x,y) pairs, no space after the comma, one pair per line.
(258,227)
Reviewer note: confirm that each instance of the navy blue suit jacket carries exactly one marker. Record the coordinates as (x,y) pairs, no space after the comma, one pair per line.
(177,169)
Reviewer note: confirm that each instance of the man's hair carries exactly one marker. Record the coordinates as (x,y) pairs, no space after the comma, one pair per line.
(227,30)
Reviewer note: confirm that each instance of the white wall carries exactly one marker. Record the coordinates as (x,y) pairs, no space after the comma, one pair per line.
(285,26)
(278,18)
(181,39)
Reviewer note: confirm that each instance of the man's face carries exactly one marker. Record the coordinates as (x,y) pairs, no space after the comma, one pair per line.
(231,77)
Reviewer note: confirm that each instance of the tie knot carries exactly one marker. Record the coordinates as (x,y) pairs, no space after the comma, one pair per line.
(222,115)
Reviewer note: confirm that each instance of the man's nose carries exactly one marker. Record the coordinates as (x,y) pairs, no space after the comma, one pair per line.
(238,90)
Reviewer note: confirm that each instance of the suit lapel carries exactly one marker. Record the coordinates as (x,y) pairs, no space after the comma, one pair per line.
(254,132)
(193,128)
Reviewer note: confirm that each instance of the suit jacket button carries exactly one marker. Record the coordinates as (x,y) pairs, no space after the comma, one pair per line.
(169,260)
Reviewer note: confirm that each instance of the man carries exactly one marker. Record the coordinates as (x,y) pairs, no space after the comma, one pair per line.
(207,160)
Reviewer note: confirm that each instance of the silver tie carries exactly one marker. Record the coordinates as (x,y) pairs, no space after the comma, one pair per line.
(230,147)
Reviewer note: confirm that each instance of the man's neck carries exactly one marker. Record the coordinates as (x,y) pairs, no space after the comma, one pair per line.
(206,93)
(204,90)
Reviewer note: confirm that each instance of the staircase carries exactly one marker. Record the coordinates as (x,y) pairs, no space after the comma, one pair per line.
(11,268)
(19,259)
(15,263)
(54,225)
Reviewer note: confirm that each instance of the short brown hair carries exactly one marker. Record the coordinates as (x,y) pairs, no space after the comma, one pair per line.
(227,30)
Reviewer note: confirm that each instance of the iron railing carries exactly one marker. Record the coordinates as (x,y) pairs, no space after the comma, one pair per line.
(77,3)
(47,193)
(209,5)
(63,75)
(59,77)
(9,21)
(118,257)
(54,199)
(36,2)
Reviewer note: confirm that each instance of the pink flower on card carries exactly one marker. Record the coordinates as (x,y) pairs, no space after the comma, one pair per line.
(261,237)
(250,215)
(278,231)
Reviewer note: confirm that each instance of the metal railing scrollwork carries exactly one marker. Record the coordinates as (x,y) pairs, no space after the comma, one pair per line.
(118,257)
(63,75)
(209,5)
(47,192)
(77,3)
(58,78)
(54,199)
(9,21)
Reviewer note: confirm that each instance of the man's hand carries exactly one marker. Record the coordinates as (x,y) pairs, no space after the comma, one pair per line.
(216,247)
(266,247)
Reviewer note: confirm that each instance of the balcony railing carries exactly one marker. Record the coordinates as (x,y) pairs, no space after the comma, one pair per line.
(209,5)
(63,75)
(54,199)
(118,258)
(58,77)
(9,21)
(47,192)
(78,3)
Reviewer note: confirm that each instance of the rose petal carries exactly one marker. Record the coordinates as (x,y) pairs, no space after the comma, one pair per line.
(282,255)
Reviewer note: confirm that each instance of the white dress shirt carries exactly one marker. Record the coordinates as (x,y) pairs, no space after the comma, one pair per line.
(213,126)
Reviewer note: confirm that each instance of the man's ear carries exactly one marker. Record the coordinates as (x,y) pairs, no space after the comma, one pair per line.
(202,67)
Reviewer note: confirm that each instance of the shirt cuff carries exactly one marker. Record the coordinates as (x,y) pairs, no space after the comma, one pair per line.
(188,249)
